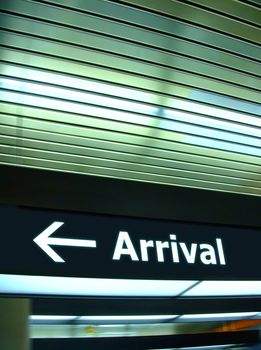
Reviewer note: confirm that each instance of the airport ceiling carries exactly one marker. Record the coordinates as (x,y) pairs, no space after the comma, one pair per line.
(163,91)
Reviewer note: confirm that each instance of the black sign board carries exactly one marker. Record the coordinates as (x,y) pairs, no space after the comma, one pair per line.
(53,243)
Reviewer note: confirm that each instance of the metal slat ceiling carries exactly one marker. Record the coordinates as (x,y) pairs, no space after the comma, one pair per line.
(159,91)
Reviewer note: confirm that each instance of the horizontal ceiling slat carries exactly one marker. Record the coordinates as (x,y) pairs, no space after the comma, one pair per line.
(187,12)
(119,174)
(165,92)
(124,79)
(123,135)
(237,9)
(181,159)
(150,21)
(97,117)
(124,166)
(253,2)
(200,60)
(135,112)
(127,95)
(162,166)
(138,68)
(115,10)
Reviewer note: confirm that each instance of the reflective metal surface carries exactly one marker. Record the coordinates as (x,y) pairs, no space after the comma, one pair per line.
(165,92)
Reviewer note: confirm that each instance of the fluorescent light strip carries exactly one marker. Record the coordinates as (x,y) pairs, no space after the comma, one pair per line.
(225,288)
(43,285)
(223,315)
(51,318)
(49,285)
(128,318)
(209,347)
(206,347)
(216,317)
(189,318)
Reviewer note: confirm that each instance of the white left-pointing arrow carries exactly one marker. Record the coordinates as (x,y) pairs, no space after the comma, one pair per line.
(43,240)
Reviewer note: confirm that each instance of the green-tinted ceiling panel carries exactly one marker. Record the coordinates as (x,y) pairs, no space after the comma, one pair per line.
(127,31)
(167,62)
(126,79)
(128,95)
(121,174)
(124,165)
(195,15)
(160,50)
(150,139)
(182,160)
(156,91)
(237,9)
(174,76)
(160,165)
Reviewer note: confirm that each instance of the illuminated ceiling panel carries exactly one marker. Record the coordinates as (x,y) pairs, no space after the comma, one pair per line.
(74,286)
(165,92)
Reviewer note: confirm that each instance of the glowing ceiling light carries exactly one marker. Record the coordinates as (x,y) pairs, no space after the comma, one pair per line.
(225,288)
(128,318)
(51,318)
(43,285)
(216,317)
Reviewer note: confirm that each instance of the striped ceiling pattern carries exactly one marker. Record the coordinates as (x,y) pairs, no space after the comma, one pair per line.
(158,91)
